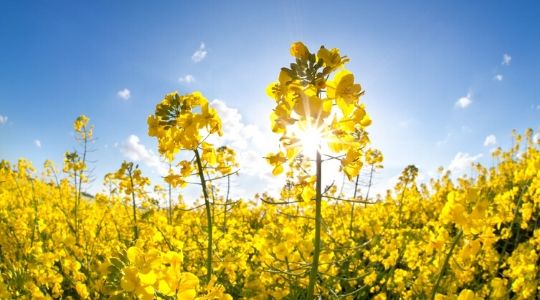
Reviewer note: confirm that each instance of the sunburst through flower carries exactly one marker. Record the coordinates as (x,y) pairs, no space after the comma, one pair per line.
(310,140)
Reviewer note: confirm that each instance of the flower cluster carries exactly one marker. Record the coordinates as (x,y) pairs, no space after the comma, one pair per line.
(180,122)
(316,96)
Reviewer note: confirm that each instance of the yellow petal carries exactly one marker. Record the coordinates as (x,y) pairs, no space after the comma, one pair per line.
(277,170)
(186,295)
(148,278)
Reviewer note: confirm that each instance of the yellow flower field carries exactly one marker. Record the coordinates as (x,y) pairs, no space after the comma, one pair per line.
(475,237)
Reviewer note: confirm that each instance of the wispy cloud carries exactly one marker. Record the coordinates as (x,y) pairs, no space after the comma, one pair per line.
(37,143)
(3,120)
(132,149)
(506,59)
(248,140)
(251,145)
(490,140)
(187,79)
(498,77)
(124,94)
(462,161)
(464,101)
(200,54)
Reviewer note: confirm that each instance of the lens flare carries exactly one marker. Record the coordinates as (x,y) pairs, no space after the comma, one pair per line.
(310,141)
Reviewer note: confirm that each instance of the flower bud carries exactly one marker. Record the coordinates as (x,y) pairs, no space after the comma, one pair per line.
(299,50)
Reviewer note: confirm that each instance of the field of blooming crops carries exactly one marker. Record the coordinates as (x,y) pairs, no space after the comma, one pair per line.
(472,237)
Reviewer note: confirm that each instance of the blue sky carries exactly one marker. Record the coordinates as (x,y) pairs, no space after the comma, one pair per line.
(439,77)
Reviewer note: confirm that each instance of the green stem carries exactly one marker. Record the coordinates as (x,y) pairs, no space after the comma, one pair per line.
(76,208)
(445,264)
(352,207)
(79,187)
(317,242)
(170,205)
(369,184)
(208,217)
(226,203)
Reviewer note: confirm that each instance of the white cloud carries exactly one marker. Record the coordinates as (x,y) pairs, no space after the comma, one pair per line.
(124,94)
(490,140)
(186,79)
(3,120)
(200,54)
(135,151)
(462,161)
(251,144)
(506,59)
(536,137)
(498,77)
(464,102)
(37,143)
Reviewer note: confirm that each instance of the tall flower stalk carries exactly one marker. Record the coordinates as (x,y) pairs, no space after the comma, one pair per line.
(186,123)
(318,111)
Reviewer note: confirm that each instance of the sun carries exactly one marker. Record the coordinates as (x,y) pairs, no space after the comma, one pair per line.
(310,141)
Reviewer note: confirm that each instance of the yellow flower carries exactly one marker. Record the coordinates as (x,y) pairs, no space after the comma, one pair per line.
(499,288)
(299,50)
(209,154)
(312,107)
(130,280)
(352,164)
(370,279)
(467,294)
(178,121)
(80,122)
(344,90)
(331,58)
(82,290)
(276,160)
(380,296)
